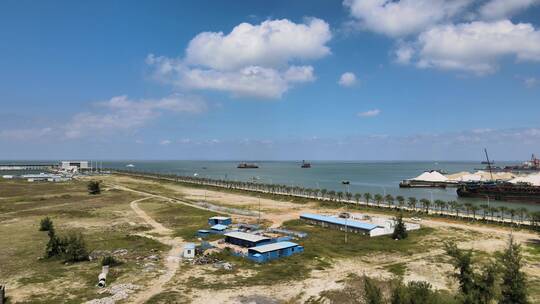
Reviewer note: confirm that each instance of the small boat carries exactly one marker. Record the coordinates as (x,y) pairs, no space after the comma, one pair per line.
(305,165)
(345,182)
(247,166)
(130,165)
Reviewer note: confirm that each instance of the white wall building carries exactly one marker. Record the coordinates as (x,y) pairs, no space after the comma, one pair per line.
(74,165)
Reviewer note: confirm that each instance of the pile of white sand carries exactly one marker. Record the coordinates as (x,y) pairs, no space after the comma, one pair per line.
(479,176)
(432,176)
(533,179)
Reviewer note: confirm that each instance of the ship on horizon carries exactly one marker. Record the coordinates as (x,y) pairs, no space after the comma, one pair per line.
(247,166)
(305,164)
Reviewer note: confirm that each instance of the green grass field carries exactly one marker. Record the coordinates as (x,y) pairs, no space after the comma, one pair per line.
(102,219)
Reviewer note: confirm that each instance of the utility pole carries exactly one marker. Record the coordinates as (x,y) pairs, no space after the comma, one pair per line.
(259,221)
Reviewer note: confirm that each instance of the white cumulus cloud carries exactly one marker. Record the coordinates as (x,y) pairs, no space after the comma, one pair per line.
(500,9)
(403,17)
(370,113)
(250,61)
(347,79)
(122,113)
(477,46)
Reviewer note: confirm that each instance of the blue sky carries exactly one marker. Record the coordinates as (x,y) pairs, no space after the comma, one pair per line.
(261,79)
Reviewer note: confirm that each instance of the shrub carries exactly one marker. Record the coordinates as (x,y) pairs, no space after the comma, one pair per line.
(46,224)
(110,261)
(75,248)
(94,187)
(400,231)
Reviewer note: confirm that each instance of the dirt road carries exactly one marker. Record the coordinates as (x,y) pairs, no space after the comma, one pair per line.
(172,261)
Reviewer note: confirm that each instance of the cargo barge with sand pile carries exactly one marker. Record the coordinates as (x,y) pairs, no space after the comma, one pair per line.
(428,179)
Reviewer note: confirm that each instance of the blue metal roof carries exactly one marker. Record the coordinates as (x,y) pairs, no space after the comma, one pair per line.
(218,227)
(339,221)
(273,247)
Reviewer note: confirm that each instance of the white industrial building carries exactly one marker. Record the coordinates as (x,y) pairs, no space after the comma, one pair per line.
(74,165)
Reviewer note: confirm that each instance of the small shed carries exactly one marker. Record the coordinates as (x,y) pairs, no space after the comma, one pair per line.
(273,251)
(222,220)
(244,239)
(203,233)
(218,228)
(189,251)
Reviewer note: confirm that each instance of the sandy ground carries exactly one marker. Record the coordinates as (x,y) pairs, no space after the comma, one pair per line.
(425,266)
(172,260)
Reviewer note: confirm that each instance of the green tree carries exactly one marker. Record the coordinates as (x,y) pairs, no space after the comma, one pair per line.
(415,292)
(389,200)
(94,187)
(462,262)
(514,285)
(372,293)
(75,248)
(357,198)
(367,197)
(400,231)
(401,201)
(425,204)
(46,224)
(378,199)
(411,203)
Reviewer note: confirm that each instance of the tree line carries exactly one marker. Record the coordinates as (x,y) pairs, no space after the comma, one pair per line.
(438,207)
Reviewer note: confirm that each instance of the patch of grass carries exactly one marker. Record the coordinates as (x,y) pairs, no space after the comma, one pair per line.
(169,297)
(397,269)
(184,220)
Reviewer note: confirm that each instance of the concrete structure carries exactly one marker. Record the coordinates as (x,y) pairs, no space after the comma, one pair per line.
(273,251)
(222,220)
(43,177)
(189,251)
(246,239)
(74,165)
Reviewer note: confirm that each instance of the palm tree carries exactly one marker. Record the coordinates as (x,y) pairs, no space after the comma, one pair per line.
(485,209)
(440,204)
(467,207)
(474,209)
(425,204)
(378,199)
(411,203)
(492,211)
(523,212)
(339,196)
(454,206)
(401,201)
(357,197)
(323,192)
(332,194)
(512,213)
(348,195)
(389,200)
(367,197)
(502,211)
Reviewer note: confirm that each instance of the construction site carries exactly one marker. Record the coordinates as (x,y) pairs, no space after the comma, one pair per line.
(174,243)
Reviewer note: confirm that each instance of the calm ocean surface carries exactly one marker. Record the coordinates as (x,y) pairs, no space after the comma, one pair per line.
(364,176)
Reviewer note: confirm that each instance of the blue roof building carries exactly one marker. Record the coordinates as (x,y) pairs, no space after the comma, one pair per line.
(222,220)
(246,239)
(264,253)
(341,223)
(218,228)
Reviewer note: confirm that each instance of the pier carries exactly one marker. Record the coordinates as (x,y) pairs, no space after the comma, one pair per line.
(28,167)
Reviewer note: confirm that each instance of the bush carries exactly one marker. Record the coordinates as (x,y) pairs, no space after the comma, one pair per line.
(94,187)
(75,248)
(400,231)
(46,224)
(110,261)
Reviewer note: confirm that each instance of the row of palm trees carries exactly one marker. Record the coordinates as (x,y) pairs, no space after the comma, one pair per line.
(452,208)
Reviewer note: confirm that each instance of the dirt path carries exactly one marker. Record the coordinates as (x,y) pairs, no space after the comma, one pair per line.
(172,261)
